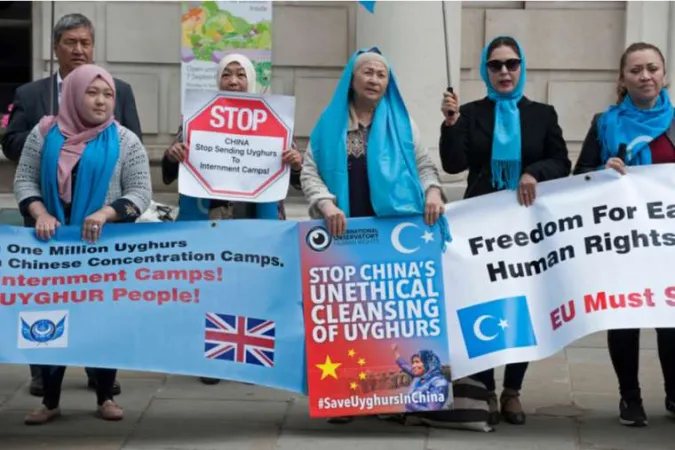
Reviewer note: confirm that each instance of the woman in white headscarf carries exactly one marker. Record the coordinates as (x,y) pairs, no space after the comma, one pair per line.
(236,73)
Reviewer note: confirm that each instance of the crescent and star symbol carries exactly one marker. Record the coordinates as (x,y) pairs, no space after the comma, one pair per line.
(427,237)
(477,325)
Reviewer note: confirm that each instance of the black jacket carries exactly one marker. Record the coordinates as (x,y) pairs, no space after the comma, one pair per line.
(468,144)
(31,103)
(590,158)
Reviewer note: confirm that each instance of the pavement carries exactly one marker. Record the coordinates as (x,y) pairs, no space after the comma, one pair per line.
(571,400)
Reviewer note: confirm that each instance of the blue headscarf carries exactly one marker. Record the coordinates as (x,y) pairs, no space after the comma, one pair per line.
(431,363)
(95,169)
(626,124)
(506,141)
(396,189)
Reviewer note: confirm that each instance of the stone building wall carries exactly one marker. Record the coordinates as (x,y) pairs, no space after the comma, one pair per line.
(572,51)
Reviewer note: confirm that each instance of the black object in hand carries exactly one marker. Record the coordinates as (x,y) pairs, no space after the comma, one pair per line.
(451,113)
(623,149)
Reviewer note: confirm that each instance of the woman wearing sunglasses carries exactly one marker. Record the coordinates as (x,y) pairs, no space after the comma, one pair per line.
(506,141)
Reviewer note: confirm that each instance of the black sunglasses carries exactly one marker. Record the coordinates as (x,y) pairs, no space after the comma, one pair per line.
(496,66)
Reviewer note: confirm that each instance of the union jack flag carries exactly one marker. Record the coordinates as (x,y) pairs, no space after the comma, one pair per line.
(239,339)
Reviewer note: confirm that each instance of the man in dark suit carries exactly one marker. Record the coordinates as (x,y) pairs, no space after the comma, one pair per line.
(73,47)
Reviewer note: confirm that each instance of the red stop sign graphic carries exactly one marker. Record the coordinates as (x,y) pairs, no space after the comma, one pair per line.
(243,117)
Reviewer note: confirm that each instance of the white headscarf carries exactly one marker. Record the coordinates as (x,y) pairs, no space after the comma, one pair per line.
(369,56)
(246,63)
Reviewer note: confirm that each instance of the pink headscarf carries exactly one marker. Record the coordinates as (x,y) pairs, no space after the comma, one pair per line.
(70,123)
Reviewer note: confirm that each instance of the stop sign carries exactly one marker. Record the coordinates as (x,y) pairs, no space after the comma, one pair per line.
(234,146)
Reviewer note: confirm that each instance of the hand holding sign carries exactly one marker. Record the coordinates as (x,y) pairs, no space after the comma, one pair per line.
(177,152)
(293,157)
(235,146)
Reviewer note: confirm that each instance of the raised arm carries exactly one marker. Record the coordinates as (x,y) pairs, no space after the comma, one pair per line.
(172,157)
(454,143)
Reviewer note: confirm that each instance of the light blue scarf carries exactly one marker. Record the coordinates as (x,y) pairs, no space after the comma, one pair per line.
(95,168)
(506,141)
(390,157)
(626,124)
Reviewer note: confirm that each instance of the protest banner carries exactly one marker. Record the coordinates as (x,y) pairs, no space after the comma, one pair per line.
(235,142)
(594,252)
(183,298)
(209,31)
(374,318)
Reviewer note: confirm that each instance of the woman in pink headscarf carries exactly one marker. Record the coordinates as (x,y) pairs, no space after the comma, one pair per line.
(81,168)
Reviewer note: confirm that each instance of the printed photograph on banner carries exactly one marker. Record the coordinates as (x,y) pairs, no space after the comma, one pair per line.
(375,325)
(210,30)
(43,329)
(235,143)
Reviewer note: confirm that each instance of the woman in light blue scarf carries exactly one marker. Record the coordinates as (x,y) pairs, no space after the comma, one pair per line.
(639,130)
(507,142)
(364,156)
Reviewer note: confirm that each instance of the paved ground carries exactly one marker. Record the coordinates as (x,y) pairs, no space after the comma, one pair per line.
(571,400)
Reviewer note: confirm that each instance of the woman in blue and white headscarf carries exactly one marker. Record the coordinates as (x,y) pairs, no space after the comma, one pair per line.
(364,157)
(427,380)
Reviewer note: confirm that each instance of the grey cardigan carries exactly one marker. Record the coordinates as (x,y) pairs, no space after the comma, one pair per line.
(130,180)
(316,191)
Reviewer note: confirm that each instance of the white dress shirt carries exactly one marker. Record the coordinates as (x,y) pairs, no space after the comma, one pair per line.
(59,83)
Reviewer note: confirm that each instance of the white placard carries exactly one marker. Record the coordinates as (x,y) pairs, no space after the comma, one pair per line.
(235,145)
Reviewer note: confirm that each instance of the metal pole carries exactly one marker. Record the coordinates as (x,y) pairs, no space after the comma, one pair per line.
(447,52)
(447,47)
(51,63)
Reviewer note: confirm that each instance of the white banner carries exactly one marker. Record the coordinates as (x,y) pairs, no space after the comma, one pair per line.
(235,143)
(594,252)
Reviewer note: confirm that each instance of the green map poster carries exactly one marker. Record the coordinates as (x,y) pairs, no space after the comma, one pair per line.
(211,30)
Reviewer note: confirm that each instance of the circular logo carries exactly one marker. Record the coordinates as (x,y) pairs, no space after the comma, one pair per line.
(43,330)
(318,239)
